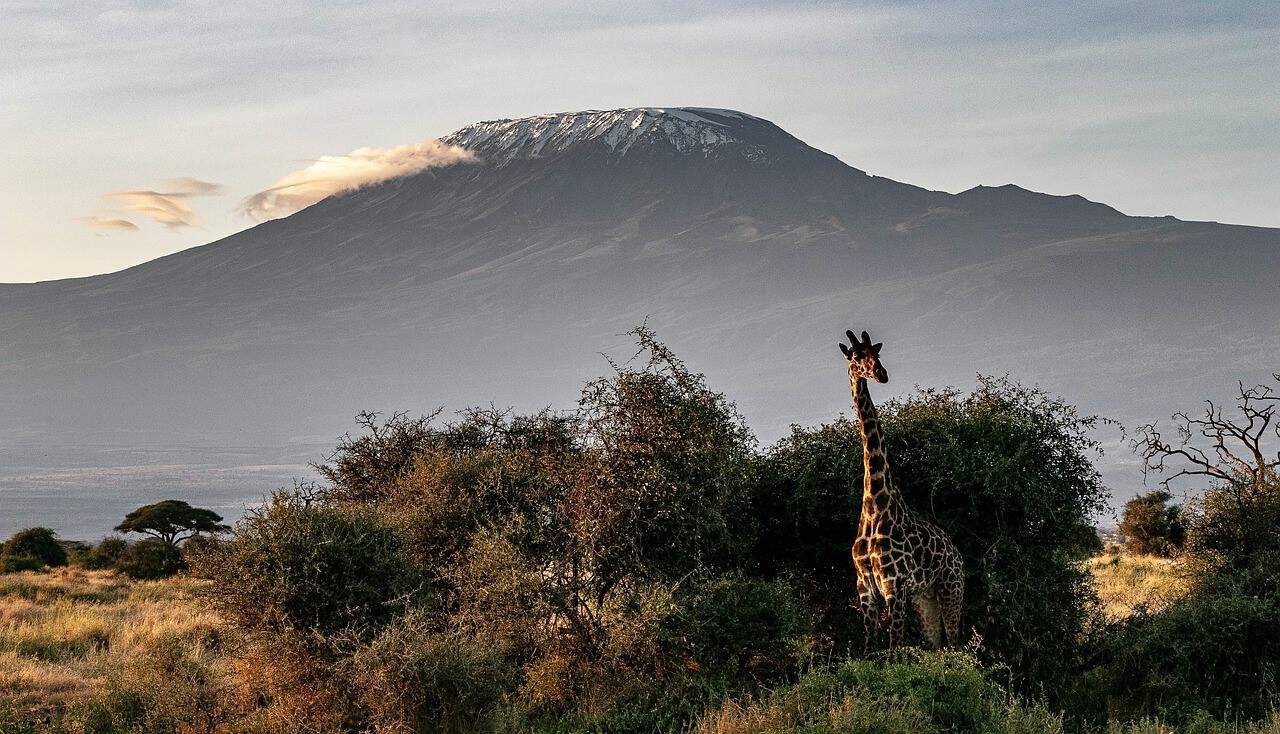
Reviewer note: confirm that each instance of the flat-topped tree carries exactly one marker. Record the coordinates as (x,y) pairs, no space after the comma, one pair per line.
(172,521)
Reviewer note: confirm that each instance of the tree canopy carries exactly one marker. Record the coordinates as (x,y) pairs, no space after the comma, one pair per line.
(172,521)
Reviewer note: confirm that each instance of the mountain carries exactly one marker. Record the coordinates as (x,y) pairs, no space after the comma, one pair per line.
(501,279)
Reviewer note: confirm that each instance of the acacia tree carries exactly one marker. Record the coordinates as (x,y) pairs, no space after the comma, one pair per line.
(172,521)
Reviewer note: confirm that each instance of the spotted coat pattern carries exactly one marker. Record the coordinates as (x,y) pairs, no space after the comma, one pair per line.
(899,556)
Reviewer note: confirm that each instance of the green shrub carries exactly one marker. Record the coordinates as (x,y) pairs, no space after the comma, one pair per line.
(416,677)
(671,463)
(916,692)
(1232,527)
(743,628)
(14,564)
(1216,649)
(150,559)
(806,502)
(105,555)
(318,570)
(38,543)
(1151,525)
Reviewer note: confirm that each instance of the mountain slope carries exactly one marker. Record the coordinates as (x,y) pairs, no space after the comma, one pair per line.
(745,248)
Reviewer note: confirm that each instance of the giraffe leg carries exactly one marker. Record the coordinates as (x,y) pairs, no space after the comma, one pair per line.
(929,610)
(951,600)
(893,617)
(868,605)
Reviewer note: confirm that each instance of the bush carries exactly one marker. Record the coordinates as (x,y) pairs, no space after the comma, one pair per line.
(1216,649)
(14,564)
(149,560)
(416,677)
(1151,526)
(1232,528)
(363,467)
(917,692)
(320,570)
(105,555)
(743,628)
(672,460)
(806,501)
(40,544)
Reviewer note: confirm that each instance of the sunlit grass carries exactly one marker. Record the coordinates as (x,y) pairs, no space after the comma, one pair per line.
(63,633)
(1127,582)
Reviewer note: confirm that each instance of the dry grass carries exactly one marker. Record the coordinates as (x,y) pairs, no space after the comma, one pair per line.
(1125,582)
(63,633)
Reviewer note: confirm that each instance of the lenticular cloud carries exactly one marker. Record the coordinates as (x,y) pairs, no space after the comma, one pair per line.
(168,207)
(335,174)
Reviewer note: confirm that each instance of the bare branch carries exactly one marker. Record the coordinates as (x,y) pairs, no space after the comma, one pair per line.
(1232,449)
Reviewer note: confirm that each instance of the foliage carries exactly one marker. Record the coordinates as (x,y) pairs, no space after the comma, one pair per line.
(362,467)
(670,462)
(150,559)
(1006,470)
(916,692)
(416,677)
(105,555)
(1217,649)
(295,566)
(171,521)
(741,627)
(1232,528)
(1151,526)
(806,501)
(39,544)
(15,564)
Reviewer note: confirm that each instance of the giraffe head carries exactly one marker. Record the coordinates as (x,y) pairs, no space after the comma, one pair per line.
(864,359)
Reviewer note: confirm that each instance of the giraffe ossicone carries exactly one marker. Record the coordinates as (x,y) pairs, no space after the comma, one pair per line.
(899,556)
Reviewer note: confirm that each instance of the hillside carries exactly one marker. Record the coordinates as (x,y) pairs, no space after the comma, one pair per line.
(746,249)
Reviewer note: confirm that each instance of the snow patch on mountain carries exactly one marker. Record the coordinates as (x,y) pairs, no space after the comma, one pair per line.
(689,130)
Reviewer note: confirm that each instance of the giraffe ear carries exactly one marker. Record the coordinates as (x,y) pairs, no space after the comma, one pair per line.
(876,347)
(845,350)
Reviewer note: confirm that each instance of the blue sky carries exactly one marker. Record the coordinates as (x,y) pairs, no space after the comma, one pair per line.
(1155,108)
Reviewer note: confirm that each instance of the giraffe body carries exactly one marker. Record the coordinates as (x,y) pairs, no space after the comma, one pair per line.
(899,557)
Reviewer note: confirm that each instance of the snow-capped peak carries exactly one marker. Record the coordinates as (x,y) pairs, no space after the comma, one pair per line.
(689,130)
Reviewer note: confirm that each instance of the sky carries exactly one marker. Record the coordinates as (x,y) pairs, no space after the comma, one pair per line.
(130,130)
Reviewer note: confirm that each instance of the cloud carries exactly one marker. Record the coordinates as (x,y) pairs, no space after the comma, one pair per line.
(187,186)
(167,207)
(107,223)
(335,174)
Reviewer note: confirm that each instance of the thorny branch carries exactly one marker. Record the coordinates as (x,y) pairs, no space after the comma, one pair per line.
(1233,449)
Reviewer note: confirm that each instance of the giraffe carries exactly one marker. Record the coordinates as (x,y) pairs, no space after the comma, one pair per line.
(898,555)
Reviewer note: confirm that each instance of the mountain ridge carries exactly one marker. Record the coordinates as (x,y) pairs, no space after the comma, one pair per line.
(502,280)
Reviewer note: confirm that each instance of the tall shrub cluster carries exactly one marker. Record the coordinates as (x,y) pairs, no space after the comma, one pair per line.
(622,566)
(1006,470)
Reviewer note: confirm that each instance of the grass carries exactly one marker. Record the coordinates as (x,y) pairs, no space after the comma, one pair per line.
(63,633)
(1127,582)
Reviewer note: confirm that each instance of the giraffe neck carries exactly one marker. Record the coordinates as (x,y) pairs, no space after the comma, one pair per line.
(877,489)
